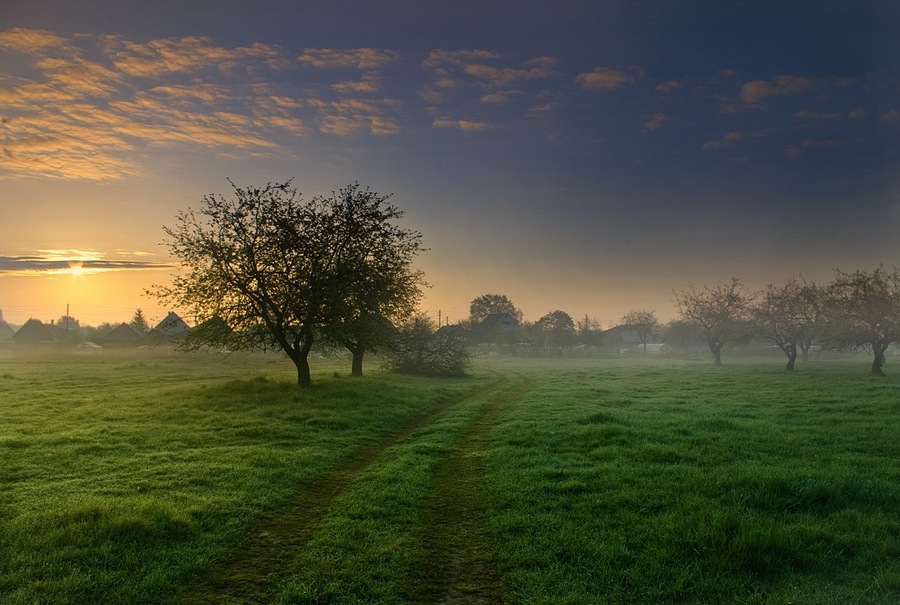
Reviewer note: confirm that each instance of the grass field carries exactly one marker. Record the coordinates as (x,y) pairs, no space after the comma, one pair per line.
(202,479)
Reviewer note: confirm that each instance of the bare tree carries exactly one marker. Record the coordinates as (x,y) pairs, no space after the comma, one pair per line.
(721,313)
(862,311)
(644,323)
(589,331)
(789,315)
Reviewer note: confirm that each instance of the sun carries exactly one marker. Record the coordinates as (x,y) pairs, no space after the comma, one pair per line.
(74,268)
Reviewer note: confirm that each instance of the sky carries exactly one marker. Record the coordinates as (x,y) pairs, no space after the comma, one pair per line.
(590,156)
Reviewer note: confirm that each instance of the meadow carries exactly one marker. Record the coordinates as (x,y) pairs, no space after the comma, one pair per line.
(139,478)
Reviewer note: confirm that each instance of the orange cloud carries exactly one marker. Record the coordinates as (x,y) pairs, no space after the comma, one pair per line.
(358,58)
(464,125)
(756,91)
(604,78)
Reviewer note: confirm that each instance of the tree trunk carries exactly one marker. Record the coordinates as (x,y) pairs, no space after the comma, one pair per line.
(791,352)
(358,352)
(300,356)
(878,361)
(717,353)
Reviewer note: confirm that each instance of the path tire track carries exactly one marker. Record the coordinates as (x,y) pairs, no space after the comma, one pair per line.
(250,576)
(457,566)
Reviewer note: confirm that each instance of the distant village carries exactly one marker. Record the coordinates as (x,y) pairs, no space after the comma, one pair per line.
(68,331)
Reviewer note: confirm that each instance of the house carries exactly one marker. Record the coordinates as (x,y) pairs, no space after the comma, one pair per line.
(34,332)
(123,335)
(496,327)
(171,329)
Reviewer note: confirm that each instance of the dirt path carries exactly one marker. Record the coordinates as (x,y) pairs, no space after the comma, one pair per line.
(457,566)
(250,576)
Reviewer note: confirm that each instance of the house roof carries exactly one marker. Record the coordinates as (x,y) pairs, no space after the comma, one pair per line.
(499,321)
(123,334)
(34,331)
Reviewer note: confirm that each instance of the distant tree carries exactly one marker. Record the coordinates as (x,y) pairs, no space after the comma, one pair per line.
(862,311)
(419,348)
(589,331)
(789,316)
(644,323)
(380,287)
(139,322)
(557,328)
(721,313)
(273,269)
(680,334)
(68,323)
(486,304)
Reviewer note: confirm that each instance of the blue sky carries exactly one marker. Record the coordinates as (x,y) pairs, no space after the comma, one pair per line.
(584,156)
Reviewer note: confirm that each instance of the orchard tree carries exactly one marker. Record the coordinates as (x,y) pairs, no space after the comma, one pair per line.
(644,323)
(379,286)
(789,315)
(862,311)
(420,348)
(589,331)
(721,313)
(487,304)
(267,268)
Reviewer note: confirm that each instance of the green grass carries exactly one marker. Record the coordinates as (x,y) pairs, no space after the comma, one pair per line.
(135,479)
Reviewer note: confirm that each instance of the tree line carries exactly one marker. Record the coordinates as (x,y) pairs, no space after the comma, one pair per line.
(266,268)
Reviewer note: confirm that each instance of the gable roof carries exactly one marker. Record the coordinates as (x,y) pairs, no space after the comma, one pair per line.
(171,328)
(123,334)
(504,322)
(34,331)
(6,331)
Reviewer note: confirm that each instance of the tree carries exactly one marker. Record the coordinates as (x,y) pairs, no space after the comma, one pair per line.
(681,334)
(557,328)
(644,323)
(721,313)
(589,331)
(139,322)
(486,304)
(789,315)
(271,269)
(862,310)
(379,286)
(418,348)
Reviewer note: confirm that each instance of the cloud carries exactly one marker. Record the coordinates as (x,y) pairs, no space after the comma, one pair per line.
(655,122)
(724,143)
(48,263)
(799,149)
(756,91)
(70,117)
(604,78)
(357,58)
(890,116)
(668,86)
(464,125)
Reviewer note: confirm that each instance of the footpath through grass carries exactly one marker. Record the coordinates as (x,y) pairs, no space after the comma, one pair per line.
(192,480)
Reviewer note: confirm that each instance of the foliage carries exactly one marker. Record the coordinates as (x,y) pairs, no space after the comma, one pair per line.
(487,304)
(379,286)
(721,312)
(589,331)
(681,334)
(139,322)
(862,310)
(556,329)
(273,271)
(418,348)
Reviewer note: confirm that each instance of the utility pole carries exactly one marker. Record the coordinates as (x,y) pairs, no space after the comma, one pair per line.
(439,318)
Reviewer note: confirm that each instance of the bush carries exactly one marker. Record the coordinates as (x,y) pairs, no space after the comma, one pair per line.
(419,349)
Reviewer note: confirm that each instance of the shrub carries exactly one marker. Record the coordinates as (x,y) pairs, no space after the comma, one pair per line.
(419,348)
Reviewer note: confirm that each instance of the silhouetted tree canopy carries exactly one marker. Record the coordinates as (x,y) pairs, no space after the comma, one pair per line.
(268,269)
(644,323)
(487,304)
(790,316)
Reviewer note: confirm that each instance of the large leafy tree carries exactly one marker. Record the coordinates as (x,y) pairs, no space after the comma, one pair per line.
(721,313)
(267,268)
(644,323)
(557,328)
(379,288)
(789,315)
(862,311)
(487,304)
